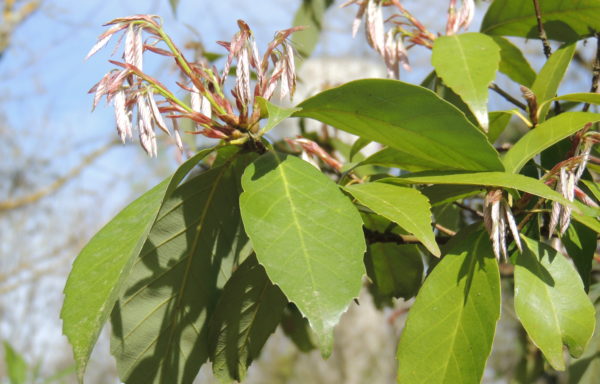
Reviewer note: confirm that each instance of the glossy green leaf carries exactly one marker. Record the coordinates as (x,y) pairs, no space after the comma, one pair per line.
(406,207)
(563,20)
(545,135)
(450,328)
(275,113)
(513,64)
(310,15)
(248,312)
(498,122)
(15,365)
(492,179)
(307,235)
(408,118)
(551,303)
(160,322)
(98,273)
(586,369)
(396,270)
(468,63)
(548,80)
(580,243)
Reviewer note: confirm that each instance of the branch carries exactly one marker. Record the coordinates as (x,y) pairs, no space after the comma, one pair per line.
(19,202)
(494,87)
(541,30)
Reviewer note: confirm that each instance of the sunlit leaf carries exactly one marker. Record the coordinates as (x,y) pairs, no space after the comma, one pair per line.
(492,179)
(406,207)
(408,118)
(498,122)
(563,20)
(275,113)
(468,63)
(307,235)
(160,322)
(548,80)
(551,303)
(453,320)
(545,135)
(101,268)
(513,64)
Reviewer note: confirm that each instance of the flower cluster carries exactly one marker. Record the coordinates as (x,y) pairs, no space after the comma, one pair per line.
(566,175)
(497,217)
(214,114)
(404,26)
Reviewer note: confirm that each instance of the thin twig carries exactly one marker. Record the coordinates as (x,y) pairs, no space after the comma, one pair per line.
(494,87)
(541,30)
(19,202)
(445,230)
(595,71)
(469,209)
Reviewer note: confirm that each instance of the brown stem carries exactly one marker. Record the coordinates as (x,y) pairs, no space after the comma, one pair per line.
(541,30)
(494,87)
(468,209)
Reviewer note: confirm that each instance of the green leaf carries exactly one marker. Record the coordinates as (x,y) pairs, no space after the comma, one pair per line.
(160,322)
(450,328)
(563,20)
(309,15)
(16,367)
(498,122)
(586,369)
(98,273)
(593,187)
(409,118)
(248,312)
(275,113)
(590,222)
(406,207)
(396,270)
(582,97)
(390,157)
(435,83)
(580,243)
(468,63)
(492,179)
(513,64)
(545,135)
(551,303)
(444,194)
(548,80)
(359,144)
(307,235)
